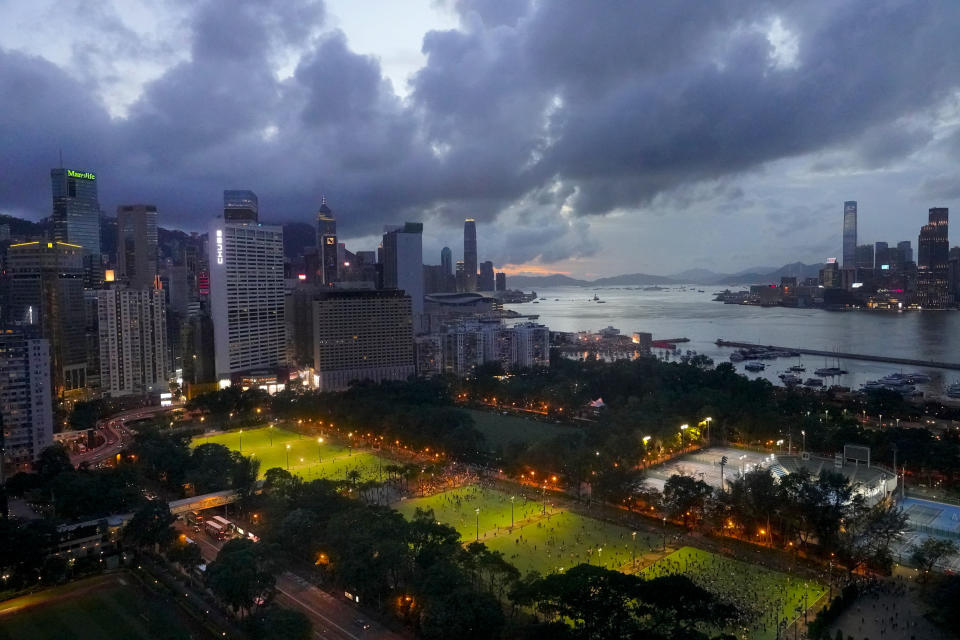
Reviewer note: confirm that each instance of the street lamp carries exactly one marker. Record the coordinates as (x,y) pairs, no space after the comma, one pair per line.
(319,451)
(478,523)
(708,421)
(804,434)
(512,500)
(633,558)
(270,432)
(288,457)
(241,440)
(683,428)
(646,439)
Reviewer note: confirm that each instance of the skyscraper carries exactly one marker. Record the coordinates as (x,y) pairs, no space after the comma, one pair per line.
(240,205)
(446,260)
(881,255)
(485,280)
(470,254)
(137,244)
(45,281)
(403,264)
(76,209)
(849,234)
(327,246)
(933,254)
(25,398)
(906,251)
(132,325)
(501,281)
(246,297)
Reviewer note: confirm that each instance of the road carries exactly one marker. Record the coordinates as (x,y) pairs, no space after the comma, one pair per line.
(115,434)
(331,616)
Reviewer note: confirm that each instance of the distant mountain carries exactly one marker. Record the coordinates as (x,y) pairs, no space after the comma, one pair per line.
(533,282)
(632,279)
(757,275)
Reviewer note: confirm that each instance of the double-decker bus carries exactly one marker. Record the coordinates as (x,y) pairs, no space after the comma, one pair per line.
(214,529)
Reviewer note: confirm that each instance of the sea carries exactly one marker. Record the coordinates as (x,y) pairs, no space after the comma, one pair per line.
(690,312)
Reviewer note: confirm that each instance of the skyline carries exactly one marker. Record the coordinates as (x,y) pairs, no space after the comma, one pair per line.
(590,154)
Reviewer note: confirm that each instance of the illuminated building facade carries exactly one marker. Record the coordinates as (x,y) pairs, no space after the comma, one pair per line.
(76,209)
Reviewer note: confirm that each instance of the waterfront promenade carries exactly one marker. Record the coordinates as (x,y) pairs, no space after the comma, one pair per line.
(848,356)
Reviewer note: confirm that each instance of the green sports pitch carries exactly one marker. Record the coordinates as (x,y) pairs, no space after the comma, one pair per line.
(112,606)
(763,596)
(542,539)
(301,455)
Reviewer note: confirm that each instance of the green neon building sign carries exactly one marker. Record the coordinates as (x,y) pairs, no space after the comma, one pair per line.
(84,175)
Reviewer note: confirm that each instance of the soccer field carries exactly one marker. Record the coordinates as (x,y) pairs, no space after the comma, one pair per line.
(102,607)
(500,430)
(303,456)
(762,595)
(540,541)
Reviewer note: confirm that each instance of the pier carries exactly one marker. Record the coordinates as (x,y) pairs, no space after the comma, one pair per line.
(846,356)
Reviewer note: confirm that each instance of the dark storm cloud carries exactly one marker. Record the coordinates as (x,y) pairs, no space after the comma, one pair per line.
(528,108)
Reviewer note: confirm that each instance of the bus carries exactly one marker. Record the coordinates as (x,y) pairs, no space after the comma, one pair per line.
(214,529)
(228,526)
(193,518)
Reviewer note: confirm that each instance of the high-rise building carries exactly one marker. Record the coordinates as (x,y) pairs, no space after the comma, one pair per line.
(133,341)
(25,398)
(327,246)
(246,298)
(137,244)
(849,234)
(470,254)
(76,209)
(437,280)
(469,344)
(403,264)
(501,281)
(461,276)
(45,289)
(830,274)
(485,280)
(362,335)
(881,255)
(240,205)
(933,254)
(863,257)
(446,260)
(906,251)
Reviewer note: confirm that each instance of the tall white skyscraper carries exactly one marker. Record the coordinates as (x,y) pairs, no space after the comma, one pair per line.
(246,298)
(132,325)
(403,265)
(25,398)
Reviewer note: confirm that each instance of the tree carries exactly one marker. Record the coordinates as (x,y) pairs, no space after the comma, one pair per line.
(52,461)
(930,552)
(151,525)
(278,623)
(186,554)
(868,534)
(242,575)
(684,497)
(212,467)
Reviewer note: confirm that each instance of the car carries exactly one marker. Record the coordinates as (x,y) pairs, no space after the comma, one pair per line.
(363,624)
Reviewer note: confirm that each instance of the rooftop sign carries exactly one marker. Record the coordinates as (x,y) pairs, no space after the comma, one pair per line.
(84,175)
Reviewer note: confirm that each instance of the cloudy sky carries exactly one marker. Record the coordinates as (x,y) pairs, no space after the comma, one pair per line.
(590,138)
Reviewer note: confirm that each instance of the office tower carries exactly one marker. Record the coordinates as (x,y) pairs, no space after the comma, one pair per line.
(470,254)
(240,205)
(501,282)
(446,260)
(133,341)
(830,274)
(933,254)
(76,209)
(461,277)
(403,264)
(881,256)
(246,298)
(327,247)
(906,251)
(362,335)
(137,244)
(849,234)
(485,278)
(864,257)
(25,397)
(196,339)
(434,279)
(45,285)
(953,274)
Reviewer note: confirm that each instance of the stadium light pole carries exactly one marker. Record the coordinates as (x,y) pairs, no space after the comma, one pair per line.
(288,457)
(270,431)
(478,523)
(803,433)
(633,557)
(241,440)
(513,499)
(319,449)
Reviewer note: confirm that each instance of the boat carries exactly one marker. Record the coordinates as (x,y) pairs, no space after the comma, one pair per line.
(601,302)
(798,368)
(830,371)
(953,391)
(813,382)
(790,380)
(755,366)
(918,378)
(595,297)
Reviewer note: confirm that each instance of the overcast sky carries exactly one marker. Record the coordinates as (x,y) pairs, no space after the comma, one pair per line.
(590,138)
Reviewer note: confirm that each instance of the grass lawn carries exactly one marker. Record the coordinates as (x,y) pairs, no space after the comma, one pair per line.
(762,594)
(544,542)
(501,430)
(103,607)
(307,458)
